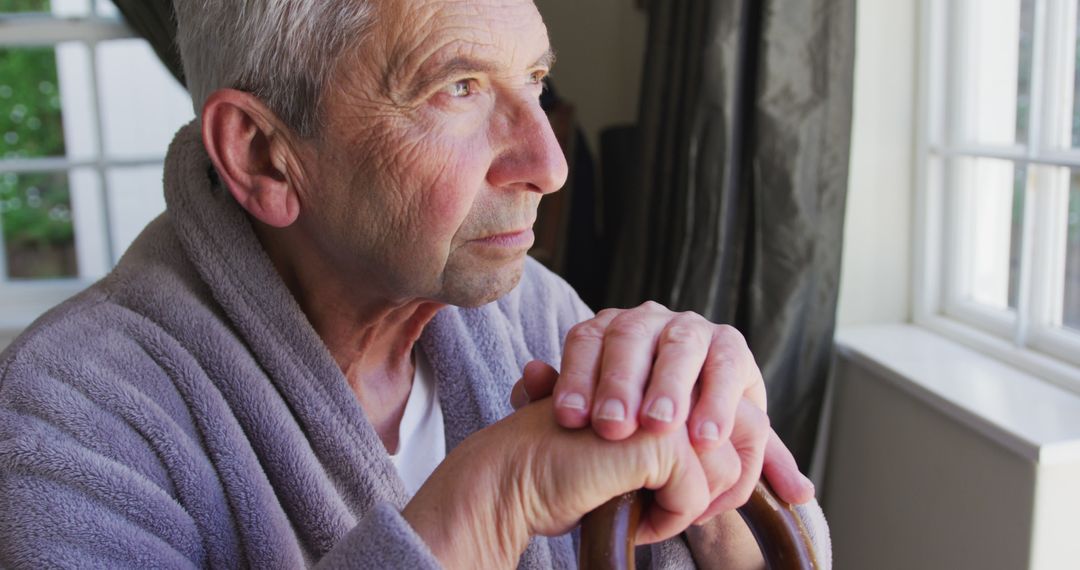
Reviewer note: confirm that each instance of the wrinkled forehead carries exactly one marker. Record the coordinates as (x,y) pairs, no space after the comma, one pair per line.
(412,34)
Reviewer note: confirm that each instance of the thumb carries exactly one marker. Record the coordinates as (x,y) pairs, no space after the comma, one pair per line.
(783,473)
(537,382)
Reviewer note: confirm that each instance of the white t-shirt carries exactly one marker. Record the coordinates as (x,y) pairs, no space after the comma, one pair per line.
(421,435)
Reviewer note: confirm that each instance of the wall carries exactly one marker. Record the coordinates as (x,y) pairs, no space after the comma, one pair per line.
(599,44)
(909,487)
(876,276)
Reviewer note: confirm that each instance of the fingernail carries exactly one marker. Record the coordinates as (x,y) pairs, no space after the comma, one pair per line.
(612,410)
(517,400)
(572,401)
(709,431)
(807,483)
(662,409)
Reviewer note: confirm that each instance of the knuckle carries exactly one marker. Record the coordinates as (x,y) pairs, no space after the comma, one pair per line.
(609,312)
(742,491)
(575,378)
(757,422)
(661,381)
(586,332)
(629,329)
(728,478)
(713,403)
(617,378)
(728,335)
(692,317)
(684,334)
(720,362)
(653,306)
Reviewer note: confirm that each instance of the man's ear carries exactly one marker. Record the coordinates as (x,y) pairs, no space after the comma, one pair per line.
(251,151)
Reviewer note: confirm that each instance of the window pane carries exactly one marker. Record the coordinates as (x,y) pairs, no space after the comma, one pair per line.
(1076,90)
(989,202)
(65,8)
(995,71)
(1072,260)
(1016,232)
(1023,73)
(61,8)
(142,105)
(135,198)
(107,9)
(31,124)
(35,212)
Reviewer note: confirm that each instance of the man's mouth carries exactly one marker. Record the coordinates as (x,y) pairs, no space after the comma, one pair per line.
(513,239)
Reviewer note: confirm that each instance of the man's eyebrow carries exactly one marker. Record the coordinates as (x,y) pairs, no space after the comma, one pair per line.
(547,60)
(443,71)
(462,65)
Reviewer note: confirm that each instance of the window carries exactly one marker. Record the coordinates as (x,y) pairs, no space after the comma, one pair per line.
(1000,167)
(86,115)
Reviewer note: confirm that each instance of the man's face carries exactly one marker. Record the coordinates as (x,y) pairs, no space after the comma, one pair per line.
(425,180)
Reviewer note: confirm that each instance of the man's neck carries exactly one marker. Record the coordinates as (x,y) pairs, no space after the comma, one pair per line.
(376,358)
(371,339)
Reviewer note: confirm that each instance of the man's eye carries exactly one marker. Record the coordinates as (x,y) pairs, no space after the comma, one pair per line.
(462,88)
(537,77)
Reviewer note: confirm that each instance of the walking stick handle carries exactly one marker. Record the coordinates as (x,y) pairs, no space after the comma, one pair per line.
(607,533)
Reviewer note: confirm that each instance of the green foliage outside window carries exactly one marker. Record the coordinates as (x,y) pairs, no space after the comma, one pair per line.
(35,210)
(30,120)
(24,5)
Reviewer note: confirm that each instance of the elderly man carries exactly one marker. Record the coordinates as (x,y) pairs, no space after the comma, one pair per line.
(307,360)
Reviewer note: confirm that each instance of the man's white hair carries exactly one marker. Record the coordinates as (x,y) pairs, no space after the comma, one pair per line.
(282,51)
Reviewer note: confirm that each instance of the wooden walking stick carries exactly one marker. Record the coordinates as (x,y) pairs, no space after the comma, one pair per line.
(607,533)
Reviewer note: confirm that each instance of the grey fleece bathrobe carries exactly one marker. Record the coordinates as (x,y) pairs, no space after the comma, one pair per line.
(182,412)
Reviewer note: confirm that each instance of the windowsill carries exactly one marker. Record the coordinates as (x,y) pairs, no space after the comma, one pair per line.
(1023,412)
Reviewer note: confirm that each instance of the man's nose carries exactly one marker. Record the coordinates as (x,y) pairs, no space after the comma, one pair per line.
(530,154)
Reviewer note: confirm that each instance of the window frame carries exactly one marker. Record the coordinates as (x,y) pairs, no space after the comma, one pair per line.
(1026,337)
(22,301)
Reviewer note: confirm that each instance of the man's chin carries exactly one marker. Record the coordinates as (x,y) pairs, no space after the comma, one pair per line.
(477,288)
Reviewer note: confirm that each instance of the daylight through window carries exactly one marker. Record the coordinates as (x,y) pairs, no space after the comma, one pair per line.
(86,114)
(1003,169)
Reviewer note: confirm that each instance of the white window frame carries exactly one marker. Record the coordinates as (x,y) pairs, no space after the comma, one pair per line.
(23,301)
(1027,337)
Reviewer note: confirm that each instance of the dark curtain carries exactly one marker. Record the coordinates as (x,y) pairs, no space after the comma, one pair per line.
(153,20)
(742,158)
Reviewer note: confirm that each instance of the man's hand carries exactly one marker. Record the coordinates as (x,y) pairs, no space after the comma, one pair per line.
(651,369)
(526,476)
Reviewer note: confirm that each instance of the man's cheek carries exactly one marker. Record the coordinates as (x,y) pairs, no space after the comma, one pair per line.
(460,176)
